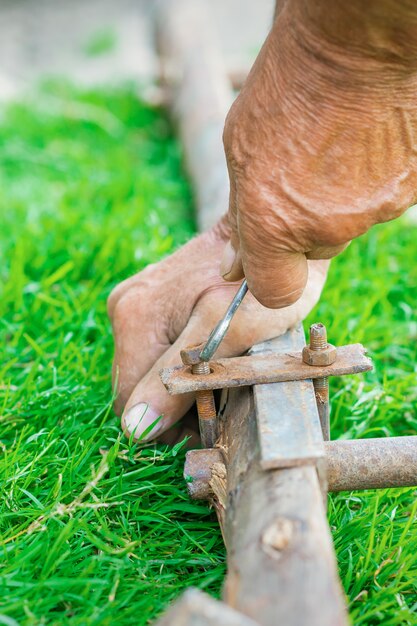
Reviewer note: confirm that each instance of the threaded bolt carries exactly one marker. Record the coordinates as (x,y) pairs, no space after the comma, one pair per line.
(321,383)
(318,341)
(200,368)
(318,337)
(206,407)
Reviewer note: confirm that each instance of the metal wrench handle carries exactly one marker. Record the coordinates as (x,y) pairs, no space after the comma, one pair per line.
(217,334)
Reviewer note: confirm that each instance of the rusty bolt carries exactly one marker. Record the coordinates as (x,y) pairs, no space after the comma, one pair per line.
(321,358)
(206,407)
(191,355)
(319,352)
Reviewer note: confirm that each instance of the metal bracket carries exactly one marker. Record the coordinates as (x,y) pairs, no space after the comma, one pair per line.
(264,368)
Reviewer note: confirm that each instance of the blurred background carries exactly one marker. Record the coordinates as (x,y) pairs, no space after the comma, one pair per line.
(97,41)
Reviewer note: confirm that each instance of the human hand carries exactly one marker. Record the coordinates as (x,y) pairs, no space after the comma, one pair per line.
(176,303)
(321,142)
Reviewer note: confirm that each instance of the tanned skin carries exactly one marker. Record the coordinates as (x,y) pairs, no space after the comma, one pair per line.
(320,145)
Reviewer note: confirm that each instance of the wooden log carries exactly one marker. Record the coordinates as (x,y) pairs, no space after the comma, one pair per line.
(281,564)
(199,96)
(196,608)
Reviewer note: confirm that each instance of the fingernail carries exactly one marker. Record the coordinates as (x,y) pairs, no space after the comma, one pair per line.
(142,421)
(229,256)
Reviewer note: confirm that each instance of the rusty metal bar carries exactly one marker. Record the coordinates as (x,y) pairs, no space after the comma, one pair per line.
(352,465)
(197,471)
(264,368)
(371,463)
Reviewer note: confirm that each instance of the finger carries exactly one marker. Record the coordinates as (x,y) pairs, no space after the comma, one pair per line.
(274,264)
(232,260)
(150,409)
(145,314)
(277,281)
(121,289)
(276,277)
(261,248)
(139,342)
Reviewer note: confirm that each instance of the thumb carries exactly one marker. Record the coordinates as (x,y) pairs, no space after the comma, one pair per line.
(278,280)
(276,274)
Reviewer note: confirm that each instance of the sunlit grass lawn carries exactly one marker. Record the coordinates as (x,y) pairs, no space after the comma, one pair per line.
(94,531)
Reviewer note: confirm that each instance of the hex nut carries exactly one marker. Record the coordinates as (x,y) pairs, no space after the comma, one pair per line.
(191,355)
(320,358)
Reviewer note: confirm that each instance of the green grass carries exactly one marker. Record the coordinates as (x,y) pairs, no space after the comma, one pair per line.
(91,190)
(371,297)
(93,530)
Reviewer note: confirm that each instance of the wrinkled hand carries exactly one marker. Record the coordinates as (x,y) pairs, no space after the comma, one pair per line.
(173,304)
(322,141)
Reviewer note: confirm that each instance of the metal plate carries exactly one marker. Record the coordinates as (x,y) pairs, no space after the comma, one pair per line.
(264,368)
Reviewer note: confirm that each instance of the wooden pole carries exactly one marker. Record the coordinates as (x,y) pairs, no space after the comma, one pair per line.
(196,608)
(200,96)
(281,564)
